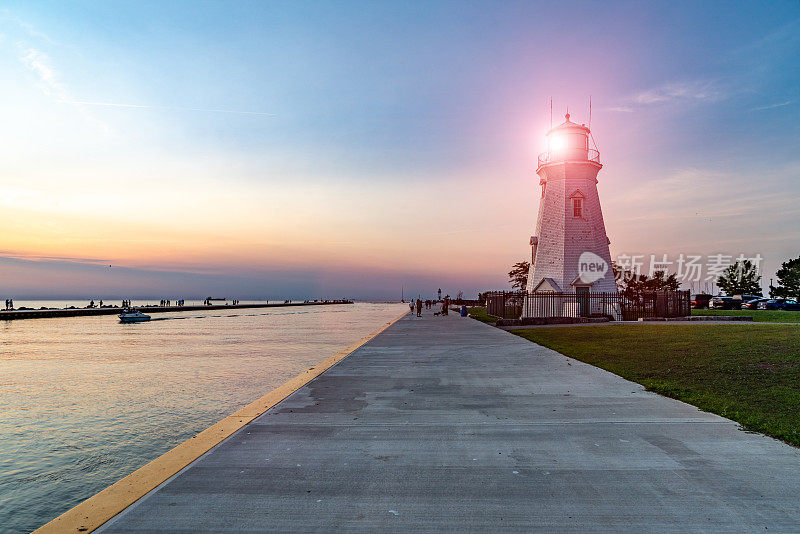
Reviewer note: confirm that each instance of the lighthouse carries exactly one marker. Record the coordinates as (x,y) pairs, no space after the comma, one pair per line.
(569,252)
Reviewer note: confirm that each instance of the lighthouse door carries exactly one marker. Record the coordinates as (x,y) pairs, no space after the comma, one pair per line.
(583,301)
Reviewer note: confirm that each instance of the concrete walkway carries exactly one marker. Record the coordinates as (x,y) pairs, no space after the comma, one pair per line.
(450,425)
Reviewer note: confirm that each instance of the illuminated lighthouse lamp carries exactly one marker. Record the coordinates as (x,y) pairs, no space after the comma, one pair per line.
(558,143)
(568,140)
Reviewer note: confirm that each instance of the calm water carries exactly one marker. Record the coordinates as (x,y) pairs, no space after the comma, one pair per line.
(86,400)
(36,304)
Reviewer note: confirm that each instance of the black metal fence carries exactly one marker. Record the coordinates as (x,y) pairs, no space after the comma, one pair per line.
(617,306)
(656,304)
(505,304)
(547,304)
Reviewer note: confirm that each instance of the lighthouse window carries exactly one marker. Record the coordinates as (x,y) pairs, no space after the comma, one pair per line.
(578,141)
(577,207)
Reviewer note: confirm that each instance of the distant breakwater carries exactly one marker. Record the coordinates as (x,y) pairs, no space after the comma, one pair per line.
(112,310)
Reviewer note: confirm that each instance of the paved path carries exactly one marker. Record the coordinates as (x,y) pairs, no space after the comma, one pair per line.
(450,425)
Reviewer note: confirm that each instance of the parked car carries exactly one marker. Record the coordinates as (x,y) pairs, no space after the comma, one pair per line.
(779,304)
(753,304)
(723,303)
(700,300)
(745,298)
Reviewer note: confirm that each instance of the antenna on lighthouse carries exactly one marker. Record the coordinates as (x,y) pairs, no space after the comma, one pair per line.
(591,136)
(551,113)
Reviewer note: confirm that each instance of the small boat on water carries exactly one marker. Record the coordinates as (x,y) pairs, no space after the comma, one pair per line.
(132,315)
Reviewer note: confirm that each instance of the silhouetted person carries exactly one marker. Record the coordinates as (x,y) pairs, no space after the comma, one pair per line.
(419,308)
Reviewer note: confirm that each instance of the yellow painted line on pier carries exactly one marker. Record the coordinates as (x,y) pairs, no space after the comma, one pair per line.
(96,510)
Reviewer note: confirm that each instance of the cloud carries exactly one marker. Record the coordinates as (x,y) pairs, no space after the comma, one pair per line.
(773,106)
(49,81)
(695,91)
(680,91)
(40,64)
(766,47)
(694,192)
(38,257)
(174,108)
(621,109)
(30,29)
(37,62)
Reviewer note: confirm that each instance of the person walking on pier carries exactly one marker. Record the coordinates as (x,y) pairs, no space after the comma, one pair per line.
(419,307)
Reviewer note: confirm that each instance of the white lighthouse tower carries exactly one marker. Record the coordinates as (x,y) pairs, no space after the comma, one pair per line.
(570,249)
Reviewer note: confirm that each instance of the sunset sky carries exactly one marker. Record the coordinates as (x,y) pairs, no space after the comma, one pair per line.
(295,149)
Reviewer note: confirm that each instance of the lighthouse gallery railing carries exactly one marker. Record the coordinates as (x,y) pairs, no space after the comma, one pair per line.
(550,157)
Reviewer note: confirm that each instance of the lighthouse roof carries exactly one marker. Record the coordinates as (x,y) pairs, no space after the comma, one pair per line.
(569,125)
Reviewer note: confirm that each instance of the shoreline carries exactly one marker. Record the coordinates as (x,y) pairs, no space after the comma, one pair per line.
(103,506)
(8,315)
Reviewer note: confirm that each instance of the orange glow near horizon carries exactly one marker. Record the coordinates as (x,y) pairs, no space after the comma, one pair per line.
(338,227)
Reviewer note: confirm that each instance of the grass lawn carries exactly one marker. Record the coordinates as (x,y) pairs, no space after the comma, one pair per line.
(759,316)
(748,373)
(479,313)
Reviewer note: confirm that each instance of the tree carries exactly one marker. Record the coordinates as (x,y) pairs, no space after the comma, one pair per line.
(633,284)
(518,275)
(788,280)
(661,282)
(741,278)
(620,275)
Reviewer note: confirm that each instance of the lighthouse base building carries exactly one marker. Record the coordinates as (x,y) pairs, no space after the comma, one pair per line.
(570,258)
